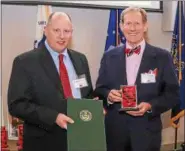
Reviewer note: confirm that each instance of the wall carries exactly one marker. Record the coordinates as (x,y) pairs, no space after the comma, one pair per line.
(90,29)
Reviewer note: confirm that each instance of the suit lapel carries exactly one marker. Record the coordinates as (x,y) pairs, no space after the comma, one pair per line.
(123,64)
(77,62)
(50,68)
(149,58)
(78,66)
(118,65)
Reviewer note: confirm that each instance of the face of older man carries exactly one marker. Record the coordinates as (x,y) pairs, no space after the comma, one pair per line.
(133,27)
(59,32)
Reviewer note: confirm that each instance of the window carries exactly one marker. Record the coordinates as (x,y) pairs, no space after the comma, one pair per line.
(148,5)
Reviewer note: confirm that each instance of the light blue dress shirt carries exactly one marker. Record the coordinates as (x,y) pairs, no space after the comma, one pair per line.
(69,66)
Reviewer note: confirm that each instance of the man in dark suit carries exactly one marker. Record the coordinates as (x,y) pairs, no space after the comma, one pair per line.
(149,68)
(41,81)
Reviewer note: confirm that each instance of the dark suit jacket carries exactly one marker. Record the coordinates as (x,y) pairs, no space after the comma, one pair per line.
(35,95)
(162,95)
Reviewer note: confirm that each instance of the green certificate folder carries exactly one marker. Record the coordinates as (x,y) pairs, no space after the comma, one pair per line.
(87,133)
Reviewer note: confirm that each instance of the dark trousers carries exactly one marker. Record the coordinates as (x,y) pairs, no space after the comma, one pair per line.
(126,133)
(51,141)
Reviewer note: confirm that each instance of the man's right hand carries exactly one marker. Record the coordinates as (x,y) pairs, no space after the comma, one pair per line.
(62,120)
(115,96)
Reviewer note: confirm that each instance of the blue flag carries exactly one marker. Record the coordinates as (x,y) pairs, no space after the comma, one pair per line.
(114,34)
(178,54)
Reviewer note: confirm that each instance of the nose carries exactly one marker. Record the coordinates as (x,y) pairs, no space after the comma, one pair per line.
(132,27)
(61,35)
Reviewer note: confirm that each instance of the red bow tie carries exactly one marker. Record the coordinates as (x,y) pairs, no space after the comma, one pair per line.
(135,50)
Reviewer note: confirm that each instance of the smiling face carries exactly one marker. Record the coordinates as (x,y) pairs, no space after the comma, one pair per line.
(133,27)
(58,32)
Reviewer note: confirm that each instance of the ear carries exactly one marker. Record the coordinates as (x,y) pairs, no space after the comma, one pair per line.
(145,27)
(45,30)
(72,30)
(121,26)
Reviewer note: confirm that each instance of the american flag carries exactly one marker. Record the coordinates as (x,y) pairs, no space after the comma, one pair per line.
(42,16)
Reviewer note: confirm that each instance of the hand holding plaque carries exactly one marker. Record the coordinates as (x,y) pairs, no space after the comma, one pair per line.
(129,98)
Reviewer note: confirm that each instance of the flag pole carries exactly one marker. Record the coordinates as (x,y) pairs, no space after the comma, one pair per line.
(175,142)
(117,26)
(180,43)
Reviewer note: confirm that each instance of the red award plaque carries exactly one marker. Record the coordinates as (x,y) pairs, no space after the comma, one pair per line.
(129,98)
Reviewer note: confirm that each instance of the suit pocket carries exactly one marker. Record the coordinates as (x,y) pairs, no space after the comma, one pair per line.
(150,86)
(148,91)
(34,130)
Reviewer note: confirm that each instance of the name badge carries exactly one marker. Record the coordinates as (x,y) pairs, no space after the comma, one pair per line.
(148,78)
(81,82)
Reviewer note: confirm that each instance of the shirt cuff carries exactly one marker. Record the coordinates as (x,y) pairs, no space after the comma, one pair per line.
(149,111)
(109,102)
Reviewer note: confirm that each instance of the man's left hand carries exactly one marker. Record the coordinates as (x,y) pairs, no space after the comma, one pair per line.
(143,108)
(96,98)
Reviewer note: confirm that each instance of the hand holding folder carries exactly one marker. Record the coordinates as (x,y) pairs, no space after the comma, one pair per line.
(62,120)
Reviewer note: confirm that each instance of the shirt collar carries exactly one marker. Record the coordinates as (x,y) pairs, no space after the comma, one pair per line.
(142,44)
(56,54)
